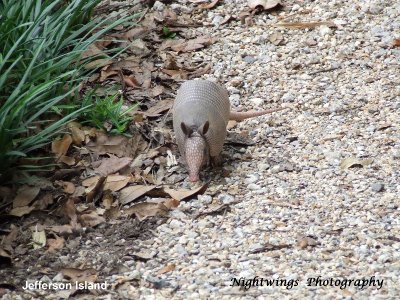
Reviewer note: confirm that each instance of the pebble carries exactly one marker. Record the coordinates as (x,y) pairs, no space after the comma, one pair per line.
(377,187)
(249,59)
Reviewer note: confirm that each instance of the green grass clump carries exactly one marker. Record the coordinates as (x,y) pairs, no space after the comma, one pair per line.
(41,43)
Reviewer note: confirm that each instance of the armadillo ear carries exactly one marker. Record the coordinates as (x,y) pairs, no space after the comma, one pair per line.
(204,128)
(186,130)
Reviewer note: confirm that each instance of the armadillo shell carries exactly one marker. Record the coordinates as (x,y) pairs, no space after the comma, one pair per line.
(198,101)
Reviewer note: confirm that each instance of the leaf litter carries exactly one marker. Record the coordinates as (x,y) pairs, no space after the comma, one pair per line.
(99,178)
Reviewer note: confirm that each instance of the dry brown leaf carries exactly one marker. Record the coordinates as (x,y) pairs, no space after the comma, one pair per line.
(96,191)
(171,203)
(70,161)
(161,106)
(100,59)
(183,194)
(136,32)
(276,38)
(305,241)
(166,269)
(131,81)
(157,90)
(145,210)
(67,186)
(264,4)
(176,74)
(21,211)
(61,229)
(91,219)
(70,210)
(55,244)
(107,200)
(194,44)
(396,42)
(77,134)
(131,193)
(301,25)
(112,213)
(43,201)
(210,5)
(116,144)
(38,239)
(25,195)
(79,275)
(60,147)
(113,182)
(354,162)
(112,165)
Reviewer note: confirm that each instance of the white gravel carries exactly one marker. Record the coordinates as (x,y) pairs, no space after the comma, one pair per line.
(343,87)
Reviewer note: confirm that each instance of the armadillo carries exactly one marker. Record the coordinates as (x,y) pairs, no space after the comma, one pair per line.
(201,113)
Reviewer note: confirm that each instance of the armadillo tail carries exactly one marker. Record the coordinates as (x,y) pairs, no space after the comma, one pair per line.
(240,116)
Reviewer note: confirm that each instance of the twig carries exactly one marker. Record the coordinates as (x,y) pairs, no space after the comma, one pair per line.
(323,70)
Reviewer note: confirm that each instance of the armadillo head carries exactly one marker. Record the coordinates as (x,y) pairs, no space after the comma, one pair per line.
(196,149)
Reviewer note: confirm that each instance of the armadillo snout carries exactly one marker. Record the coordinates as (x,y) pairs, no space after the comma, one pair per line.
(195,148)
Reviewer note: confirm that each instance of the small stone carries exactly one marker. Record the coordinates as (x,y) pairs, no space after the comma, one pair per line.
(253,186)
(176,224)
(288,97)
(226,198)
(159,6)
(249,59)
(310,42)
(377,187)
(205,199)
(251,178)
(257,101)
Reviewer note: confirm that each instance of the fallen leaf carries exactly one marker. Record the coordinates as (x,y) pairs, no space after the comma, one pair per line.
(107,200)
(208,5)
(97,58)
(70,161)
(146,209)
(264,4)
(194,44)
(112,213)
(112,165)
(396,42)
(160,107)
(166,269)
(77,134)
(113,182)
(38,239)
(21,211)
(70,210)
(55,244)
(131,193)
(97,190)
(91,219)
(60,147)
(61,229)
(67,186)
(305,241)
(157,90)
(10,238)
(269,247)
(79,275)
(276,38)
(354,162)
(25,195)
(171,203)
(183,194)
(301,25)
(43,201)
(118,145)
(213,210)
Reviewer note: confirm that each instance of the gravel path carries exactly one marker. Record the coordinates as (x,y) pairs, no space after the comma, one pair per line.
(294,212)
